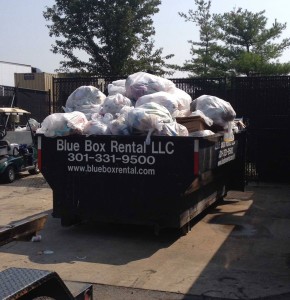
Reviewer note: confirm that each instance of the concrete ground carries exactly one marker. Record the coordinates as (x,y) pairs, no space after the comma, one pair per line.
(239,249)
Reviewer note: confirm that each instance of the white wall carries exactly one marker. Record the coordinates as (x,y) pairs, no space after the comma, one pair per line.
(8,69)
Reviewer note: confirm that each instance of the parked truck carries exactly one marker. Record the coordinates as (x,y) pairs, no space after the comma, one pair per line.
(122,179)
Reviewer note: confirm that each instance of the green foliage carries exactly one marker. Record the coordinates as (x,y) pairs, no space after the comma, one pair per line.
(251,45)
(235,43)
(253,64)
(114,36)
(205,52)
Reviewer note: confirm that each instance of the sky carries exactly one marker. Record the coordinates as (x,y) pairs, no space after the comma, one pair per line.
(24,37)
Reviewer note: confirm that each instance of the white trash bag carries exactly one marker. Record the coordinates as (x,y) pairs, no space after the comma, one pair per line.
(220,111)
(114,103)
(34,125)
(117,87)
(183,98)
(62,124)
(54,125)
(76,120)
(95,127)
(202,133)
(119,126)
(148,116)
(84,97)
(168,100)
(142,83)
(172,129)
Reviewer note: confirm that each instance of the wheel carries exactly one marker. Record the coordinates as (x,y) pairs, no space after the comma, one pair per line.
(35,170)
(9,175)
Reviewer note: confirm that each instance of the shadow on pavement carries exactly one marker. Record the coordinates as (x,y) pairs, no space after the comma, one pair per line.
(93,242)
(253,262)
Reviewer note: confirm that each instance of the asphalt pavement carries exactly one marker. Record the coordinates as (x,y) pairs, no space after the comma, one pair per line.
(238,249)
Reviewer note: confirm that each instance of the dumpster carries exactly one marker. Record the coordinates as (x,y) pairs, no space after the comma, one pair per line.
(122,179)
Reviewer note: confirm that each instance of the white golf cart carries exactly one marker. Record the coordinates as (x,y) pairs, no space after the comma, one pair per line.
(18,152)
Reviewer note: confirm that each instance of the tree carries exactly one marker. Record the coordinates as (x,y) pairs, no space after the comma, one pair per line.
(251,46)
(205,53)
(235,43)
(116,36)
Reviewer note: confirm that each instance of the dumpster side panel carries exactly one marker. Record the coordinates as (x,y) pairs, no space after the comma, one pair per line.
(122,179)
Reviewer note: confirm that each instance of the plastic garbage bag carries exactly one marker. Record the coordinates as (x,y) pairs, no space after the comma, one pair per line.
(220,111)
(61,124)
(172,129)
(107,118)
(85,99)
(19,128)
(34,125)
(168,100)
(76,120)
(142,83)
(148,116)
(202,133)
(183,99)
(114,103)
(119,126)
(117,87)
(88,110)
(125,110)
(54,125)
(95,127)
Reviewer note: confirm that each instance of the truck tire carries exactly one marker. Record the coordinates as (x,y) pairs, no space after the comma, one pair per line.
(9,174)
(35,170)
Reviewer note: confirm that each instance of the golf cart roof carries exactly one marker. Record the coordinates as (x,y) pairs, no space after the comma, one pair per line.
(13,111)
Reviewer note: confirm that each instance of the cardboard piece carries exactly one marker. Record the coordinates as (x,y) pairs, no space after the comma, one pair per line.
(192,123)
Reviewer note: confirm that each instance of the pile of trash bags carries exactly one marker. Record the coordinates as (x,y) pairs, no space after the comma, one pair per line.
(141,104)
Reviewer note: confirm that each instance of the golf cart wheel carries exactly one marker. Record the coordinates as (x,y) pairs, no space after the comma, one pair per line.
(9,175)
(35,170)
